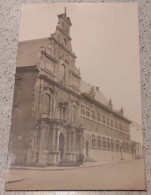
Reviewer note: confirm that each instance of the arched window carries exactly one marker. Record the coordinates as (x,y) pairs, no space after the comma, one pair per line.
(73,114)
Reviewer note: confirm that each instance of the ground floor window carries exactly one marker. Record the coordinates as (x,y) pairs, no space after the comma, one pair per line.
(104,142)
(112,144)
(117,145)
(108,143)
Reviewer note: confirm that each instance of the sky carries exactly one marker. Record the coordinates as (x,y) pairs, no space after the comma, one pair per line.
(105,40)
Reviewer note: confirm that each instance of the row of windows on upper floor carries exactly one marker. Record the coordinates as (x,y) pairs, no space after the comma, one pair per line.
(109,143)
(86,112)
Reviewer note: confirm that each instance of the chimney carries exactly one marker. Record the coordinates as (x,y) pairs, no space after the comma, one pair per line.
(97,88)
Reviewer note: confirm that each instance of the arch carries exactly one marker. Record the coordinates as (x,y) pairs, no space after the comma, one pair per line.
(61,145)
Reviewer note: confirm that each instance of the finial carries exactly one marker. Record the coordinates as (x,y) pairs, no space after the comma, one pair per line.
(65,11)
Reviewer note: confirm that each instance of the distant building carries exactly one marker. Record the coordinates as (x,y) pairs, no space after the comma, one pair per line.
(136,134)
(57,118)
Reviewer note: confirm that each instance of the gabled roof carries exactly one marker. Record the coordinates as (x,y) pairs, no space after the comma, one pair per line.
(29,51)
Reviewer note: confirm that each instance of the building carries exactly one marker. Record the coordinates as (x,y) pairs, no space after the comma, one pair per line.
(136,135)
(57,118)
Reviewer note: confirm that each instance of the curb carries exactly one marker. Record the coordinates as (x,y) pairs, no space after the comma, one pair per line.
(68,168)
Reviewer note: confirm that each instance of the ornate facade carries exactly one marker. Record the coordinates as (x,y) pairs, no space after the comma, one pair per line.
(56,119)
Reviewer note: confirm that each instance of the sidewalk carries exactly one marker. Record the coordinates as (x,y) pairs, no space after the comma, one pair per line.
(11,178)
(57,168)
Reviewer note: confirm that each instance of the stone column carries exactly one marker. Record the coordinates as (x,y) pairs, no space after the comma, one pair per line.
(74,142)
(69,146)
(54,139)
(57,144)
(43,152)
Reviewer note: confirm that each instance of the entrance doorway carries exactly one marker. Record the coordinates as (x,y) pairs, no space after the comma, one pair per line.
(87,149)
(61,145)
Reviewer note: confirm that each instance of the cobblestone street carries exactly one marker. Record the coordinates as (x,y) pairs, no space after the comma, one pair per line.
(115,176)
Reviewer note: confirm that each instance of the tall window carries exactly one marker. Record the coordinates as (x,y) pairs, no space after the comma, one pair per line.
(83,110)
(63,112)
(111,123)
(48,103)
(112,144)
(108,143)
(93,114)
(87,112)
(103,119)
(104,142)
(99,141)
(117,145)
(73,114)
(119,126)
(98,117)
(108,123)
(116,125)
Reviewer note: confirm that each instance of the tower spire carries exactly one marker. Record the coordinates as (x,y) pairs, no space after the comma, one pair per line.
(65,11)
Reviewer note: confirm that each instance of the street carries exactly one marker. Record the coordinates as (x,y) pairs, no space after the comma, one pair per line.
(116,176)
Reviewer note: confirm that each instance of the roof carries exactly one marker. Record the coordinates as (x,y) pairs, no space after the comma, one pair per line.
(136,125)
(99,96)
(29,51)
(94,93)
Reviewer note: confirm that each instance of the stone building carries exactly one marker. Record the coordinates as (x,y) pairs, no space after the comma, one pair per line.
(56,117)
(136,135)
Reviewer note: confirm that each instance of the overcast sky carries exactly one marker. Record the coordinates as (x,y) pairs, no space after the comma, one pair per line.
(106,42)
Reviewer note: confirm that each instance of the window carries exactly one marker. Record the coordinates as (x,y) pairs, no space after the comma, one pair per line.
(108,123)
(117,145)
(99,141)
(116,125)
(112,144)
(111,123)
(98,117)
(93,114)
(126,129)
(87,112)
(63,112)
(73,114)
(104,142)
(83,110)
(108,143)
(119,126)
(93,140)
(103,119)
